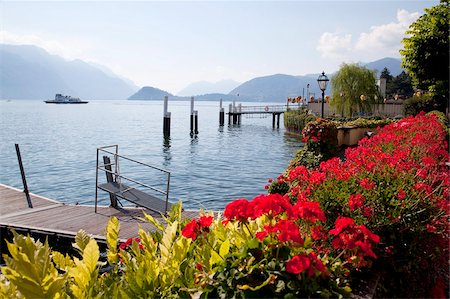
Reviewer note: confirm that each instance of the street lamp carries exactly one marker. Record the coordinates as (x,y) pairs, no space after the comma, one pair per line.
(323,81)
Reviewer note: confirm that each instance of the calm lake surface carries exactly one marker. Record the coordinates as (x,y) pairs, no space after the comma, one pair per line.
(58,145)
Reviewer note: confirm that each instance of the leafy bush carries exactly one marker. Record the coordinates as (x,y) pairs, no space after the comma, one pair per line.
(296,120)
(419,102)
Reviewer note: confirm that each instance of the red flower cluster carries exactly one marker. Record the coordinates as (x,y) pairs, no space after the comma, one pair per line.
(309,211)
(355,238)
(367,184)
(356,201)
(193,228)
(284,230)
(310,264)
(127,244)
(271,205)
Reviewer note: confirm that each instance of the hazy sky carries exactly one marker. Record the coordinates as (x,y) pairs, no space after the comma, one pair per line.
(171,44)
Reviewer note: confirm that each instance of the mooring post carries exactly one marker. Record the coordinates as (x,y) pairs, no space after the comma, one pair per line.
(166,120)
(24,180)
(192,117)
(273,120)
(230,107)
(221,114)
(195,122)
(278,120)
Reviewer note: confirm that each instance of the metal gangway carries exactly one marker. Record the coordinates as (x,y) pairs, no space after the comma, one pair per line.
(127,188)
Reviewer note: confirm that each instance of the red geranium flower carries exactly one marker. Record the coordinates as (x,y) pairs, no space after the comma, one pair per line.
(205,221)
(238,210)
(309,211)
(190,230)
(298,264)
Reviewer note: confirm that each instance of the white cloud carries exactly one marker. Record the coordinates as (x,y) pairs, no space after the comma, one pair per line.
(335,45)
(386,38)
(380,41)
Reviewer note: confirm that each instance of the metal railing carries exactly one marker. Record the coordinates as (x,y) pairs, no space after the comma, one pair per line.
(117,177)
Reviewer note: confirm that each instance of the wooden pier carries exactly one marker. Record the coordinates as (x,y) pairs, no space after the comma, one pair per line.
(55,218)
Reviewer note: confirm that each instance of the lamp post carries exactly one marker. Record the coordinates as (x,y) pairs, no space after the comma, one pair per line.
(323,81)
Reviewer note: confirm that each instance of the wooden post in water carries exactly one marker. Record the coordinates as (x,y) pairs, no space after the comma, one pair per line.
(273,120)
(195,122)
(221,114)
(24,180)
(194,119)
(166,120)
(230,110)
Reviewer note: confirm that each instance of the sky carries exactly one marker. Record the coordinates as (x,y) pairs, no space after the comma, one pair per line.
(170,44)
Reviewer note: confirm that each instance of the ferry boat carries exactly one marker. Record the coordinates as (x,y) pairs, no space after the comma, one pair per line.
(61,99)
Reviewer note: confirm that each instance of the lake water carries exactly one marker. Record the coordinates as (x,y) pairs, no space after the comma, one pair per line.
(58,145)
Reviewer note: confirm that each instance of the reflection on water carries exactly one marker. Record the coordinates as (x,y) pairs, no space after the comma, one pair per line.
(220,164)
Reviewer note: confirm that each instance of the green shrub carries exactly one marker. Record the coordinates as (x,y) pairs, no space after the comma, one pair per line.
(419,102)
(296,120)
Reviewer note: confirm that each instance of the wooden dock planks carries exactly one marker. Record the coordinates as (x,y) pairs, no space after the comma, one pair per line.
(54,217)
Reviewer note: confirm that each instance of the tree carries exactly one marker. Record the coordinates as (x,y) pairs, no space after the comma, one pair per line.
(425,53)
(354,89)
(402,85)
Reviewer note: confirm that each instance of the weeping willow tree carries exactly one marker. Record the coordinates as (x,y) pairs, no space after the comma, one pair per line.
(354,89)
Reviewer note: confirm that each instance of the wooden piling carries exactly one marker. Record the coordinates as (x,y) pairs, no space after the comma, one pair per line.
(195,122)
(221,114)
(166,120)
(192,117)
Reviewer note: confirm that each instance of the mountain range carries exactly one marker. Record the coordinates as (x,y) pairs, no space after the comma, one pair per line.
(272,88)
(29,72)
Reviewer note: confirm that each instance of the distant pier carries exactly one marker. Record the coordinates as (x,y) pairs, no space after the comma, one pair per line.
(235,112)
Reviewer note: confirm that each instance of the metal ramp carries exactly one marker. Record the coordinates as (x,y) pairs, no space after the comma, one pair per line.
(153,198)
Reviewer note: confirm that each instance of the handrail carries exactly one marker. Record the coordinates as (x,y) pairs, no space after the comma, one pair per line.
(132,160)
(118,176)
(134,181)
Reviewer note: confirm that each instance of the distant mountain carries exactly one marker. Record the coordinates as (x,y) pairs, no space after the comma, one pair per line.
(150,94)
(205,87)
(392,64)
(29,72)
(216,97)
(276,88)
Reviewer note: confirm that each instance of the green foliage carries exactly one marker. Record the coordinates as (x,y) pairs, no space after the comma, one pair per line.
(277,187)
(35,271)
(30,270)
(399,85)
(361,122)
(349,84)
(296,120)
(320,137)
(425,53)
(417,103)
